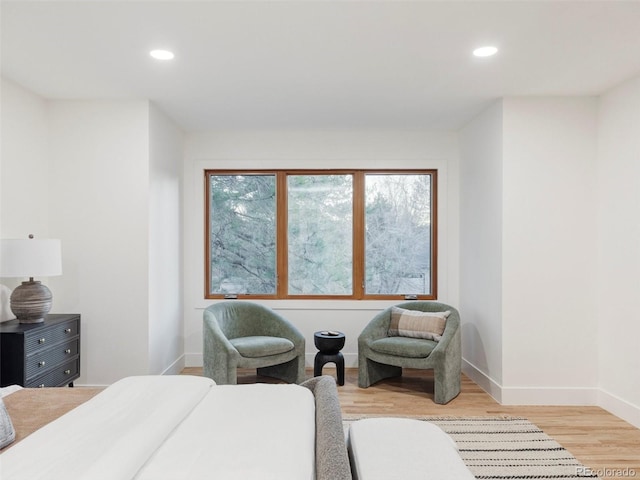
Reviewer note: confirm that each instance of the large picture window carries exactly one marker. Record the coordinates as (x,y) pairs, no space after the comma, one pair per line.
(321,234)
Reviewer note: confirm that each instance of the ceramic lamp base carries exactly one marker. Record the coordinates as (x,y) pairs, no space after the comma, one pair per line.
(31,301)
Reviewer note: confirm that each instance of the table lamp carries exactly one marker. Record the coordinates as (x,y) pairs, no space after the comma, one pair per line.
(30,257)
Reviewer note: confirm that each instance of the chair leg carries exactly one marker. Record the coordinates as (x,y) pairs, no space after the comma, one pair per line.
(222,371)
(290,372)
(447,386)
(370,372)
(228,376)
(447,374)
(447,381)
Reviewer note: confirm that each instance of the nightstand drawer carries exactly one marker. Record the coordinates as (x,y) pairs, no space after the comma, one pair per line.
(45,337)
(58,376)
(31,353)
(43,360)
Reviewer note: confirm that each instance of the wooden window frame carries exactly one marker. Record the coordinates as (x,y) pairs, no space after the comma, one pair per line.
(358,233)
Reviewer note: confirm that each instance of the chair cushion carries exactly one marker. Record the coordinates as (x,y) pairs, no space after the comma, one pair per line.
(404,346)
(259,346)
(417,324)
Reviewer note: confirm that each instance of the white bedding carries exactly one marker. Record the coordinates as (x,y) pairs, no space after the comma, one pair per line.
(257,432)
(111,435)
(176,427)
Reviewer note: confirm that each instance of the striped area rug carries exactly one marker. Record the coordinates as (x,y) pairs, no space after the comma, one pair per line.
(500,448)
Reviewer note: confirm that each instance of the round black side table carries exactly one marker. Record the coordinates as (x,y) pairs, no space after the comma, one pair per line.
(329,343)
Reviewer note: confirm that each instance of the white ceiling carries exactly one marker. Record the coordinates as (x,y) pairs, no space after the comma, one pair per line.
(319,64)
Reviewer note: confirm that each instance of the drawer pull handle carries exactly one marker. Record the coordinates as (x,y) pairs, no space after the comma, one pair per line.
(42,340)
(67,372)
(67,330)
(41,385)
(42,363)
(67,351)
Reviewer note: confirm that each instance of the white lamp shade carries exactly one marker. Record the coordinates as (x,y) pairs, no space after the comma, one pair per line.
(30,257)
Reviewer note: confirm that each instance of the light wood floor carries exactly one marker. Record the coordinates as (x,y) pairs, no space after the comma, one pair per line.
(600,440)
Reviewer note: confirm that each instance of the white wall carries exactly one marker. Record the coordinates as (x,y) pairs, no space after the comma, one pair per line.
(481,145)
(99,207)
(24,168)
(105,178)
(315,149)
(618,261)
(24,172)
(166,326)
(528,243)
(549,244)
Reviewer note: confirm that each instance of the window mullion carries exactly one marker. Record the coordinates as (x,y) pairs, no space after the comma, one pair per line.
(282,262)
(358,235)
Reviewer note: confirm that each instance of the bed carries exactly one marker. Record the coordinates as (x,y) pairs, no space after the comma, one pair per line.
(177,427)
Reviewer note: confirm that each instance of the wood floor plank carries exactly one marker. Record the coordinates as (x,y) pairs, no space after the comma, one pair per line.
(603,442)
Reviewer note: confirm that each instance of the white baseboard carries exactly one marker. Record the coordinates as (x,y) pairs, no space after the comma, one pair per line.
(193,360)
(530,395)
(176,367)
(549,396)
(620,408)
(482,380)
(553,396)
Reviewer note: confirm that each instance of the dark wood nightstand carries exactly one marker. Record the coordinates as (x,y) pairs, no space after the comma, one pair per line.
(45,354)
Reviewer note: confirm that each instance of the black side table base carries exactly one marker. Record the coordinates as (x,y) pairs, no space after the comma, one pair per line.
(323,358)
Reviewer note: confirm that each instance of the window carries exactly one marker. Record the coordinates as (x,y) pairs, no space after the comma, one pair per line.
(321,234)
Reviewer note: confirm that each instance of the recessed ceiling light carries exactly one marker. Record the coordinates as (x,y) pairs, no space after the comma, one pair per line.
(485,51)
(161,54)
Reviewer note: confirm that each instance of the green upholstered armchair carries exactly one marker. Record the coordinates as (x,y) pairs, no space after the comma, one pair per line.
(248,335)
(381,356)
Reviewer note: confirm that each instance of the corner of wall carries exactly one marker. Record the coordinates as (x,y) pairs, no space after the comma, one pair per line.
(484,381)
(619,407)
